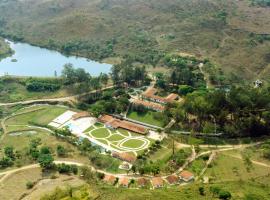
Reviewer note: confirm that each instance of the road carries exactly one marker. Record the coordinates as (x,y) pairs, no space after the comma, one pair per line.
(61,99)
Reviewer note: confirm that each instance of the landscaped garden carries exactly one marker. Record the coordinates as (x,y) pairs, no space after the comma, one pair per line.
(120,139)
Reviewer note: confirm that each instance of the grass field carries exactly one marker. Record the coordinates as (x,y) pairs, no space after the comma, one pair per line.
(227,168)
(39,115)
(147,118)
(14,186)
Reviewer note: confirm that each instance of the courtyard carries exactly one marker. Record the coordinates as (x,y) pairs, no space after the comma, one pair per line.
(117,140)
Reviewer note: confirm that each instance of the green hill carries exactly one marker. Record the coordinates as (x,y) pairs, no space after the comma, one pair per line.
(233,34)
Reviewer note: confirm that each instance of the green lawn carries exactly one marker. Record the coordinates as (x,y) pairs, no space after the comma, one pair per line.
(42,115)
(115,137)
(123,131)
(89,129)
(161,154)
(100,133)
(133,143)
(197,166)
(146,118)
(99,125)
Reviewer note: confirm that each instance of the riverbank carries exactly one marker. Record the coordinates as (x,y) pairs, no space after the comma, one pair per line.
(42,62)
(5,50)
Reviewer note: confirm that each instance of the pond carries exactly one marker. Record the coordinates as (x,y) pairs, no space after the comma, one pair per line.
(30,60)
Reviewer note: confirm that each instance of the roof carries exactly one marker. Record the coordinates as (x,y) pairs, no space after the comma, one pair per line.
(109,179)
(106,118)
(125,157)
(172,179)
(117,123)
(171,97)
(152,105)
(133,127)
(124,181)
(150,93)
(142,181)
(157,181)
(186,175)
(80,115)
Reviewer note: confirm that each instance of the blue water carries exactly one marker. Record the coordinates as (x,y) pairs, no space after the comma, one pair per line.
(36,61)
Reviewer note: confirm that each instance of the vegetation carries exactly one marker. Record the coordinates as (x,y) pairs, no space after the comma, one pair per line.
(241,111)
(5,50)
(217,30)
(149,117)
(263,3)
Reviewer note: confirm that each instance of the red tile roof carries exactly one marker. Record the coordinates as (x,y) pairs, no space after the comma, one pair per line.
(106,118)
(186,175)
(125,157)
(117,123)
(150,93)
(80,115)
(157,182)
(124,181)
(154,106)
(171,97)
(142,182)
(172,179)
(109,179)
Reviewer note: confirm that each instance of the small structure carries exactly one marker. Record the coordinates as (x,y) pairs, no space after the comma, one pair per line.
(114,123)
(125,166)
(258,83)
(173,179)
(123,182)
(186,176)
(157,182)
(125,157)
(110,179)
(142,182)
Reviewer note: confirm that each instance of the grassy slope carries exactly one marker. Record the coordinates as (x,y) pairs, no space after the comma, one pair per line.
(138,26)
(146,118)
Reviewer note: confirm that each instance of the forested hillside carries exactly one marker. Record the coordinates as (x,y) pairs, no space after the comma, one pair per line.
(233,34)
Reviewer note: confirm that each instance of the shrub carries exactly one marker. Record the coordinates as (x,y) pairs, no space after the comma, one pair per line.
(225,195)
(29,185)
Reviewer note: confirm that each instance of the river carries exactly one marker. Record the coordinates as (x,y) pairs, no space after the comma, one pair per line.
(30,60)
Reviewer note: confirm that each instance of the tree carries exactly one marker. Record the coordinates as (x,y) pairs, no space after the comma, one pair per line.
(61,151)
(215,190)
(201,190)
(5,162)
(104,78)
(185,89)
(9,152)
(134,169)
(46,161)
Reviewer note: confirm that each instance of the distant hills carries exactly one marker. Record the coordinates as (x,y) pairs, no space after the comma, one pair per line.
(233,34)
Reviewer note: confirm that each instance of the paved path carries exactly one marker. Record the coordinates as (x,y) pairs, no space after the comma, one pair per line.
(61,99)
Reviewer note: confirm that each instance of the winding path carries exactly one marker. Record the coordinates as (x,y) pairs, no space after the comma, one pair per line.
(61,99)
